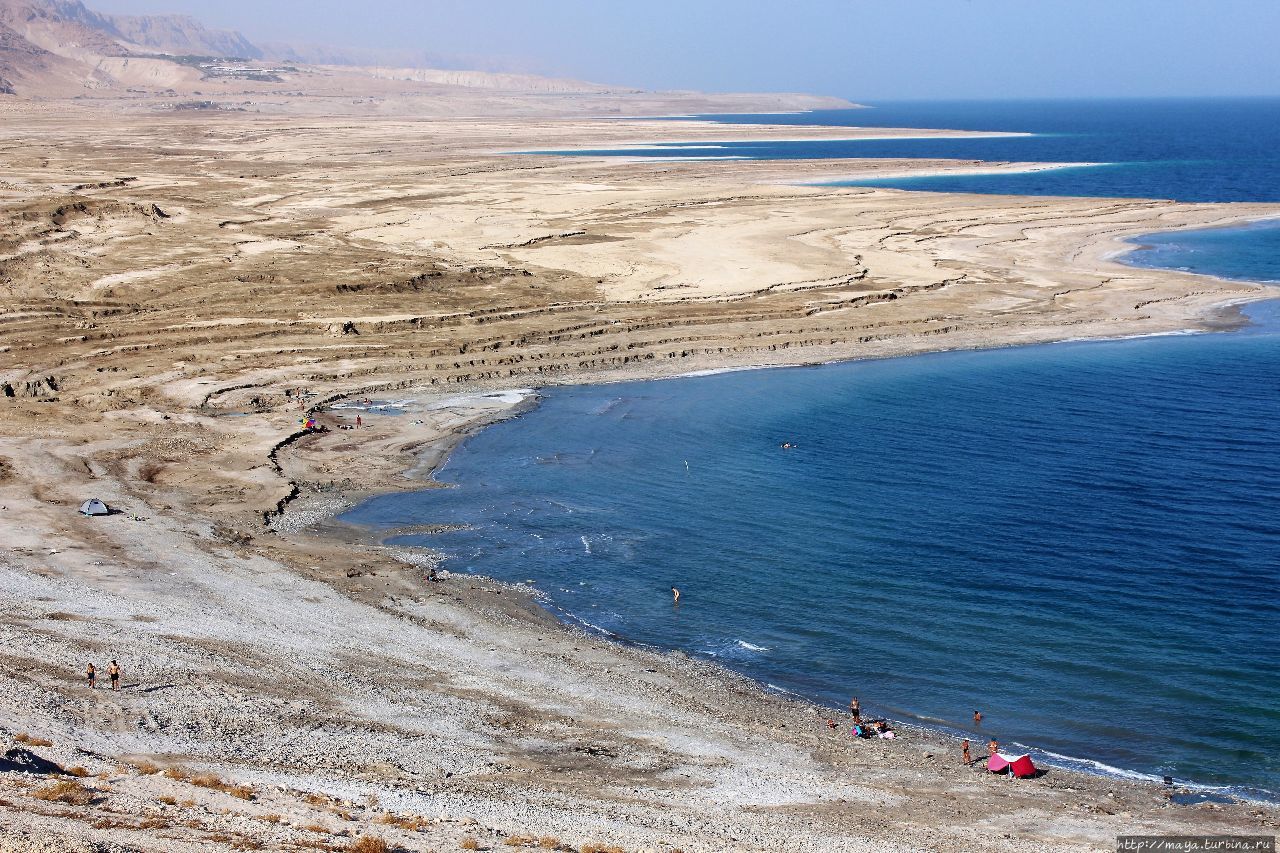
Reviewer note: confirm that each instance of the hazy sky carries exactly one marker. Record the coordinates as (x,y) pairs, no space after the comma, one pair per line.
(860,49)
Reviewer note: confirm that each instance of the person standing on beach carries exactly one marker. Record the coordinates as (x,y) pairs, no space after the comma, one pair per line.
(675,595)
(91,673)
(855,709)
(993,746)
(358,422)
(113,672)
(964,748)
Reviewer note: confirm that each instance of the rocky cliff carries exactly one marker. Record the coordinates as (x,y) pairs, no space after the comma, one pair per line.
(182,35)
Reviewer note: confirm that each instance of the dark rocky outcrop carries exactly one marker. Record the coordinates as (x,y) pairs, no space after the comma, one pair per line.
(40,388)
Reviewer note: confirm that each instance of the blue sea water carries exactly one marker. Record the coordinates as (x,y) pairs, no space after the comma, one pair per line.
(1186,150)
(1250,252)
(1081,540)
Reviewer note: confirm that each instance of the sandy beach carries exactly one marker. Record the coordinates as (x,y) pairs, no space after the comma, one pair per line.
(179,291)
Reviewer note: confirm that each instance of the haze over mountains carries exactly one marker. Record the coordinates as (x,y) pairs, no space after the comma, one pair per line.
(57,49)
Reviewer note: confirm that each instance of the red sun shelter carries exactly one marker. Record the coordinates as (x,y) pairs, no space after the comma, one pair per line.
(1018,765)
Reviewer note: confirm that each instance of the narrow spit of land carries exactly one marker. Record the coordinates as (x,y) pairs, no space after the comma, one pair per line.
(178,293)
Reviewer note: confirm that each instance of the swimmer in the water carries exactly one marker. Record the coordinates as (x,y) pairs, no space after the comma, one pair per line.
(675,595)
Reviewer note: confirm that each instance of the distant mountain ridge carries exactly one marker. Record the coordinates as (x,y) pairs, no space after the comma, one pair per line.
(63,49)
(68,28)
(183,35)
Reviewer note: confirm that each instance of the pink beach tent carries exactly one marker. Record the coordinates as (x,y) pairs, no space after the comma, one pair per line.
(1017,765)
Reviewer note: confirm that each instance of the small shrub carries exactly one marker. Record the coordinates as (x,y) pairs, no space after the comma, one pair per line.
(549,842)
(215,783)
(240,792)
(368,844)
(600,848)
(316,799)
(31,740)
(65,791)
(520,841)
(146,768)
(78,772)
(180,774)
(470,843)
(272,818)
(316,827)
(168,801)
(187,803)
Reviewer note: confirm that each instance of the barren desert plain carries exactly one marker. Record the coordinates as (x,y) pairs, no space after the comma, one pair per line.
(179,288)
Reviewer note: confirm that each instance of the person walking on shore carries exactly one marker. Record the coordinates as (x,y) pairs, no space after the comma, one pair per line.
(91,673)
(358,422)
(113,672)
(964,748)
(855,709)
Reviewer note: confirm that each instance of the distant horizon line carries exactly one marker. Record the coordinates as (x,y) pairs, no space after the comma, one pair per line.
(869,103)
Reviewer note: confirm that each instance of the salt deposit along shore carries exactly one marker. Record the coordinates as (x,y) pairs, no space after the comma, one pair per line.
(180,291)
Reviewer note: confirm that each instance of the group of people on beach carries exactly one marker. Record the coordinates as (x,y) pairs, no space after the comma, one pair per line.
(882,729)
(872,728)
(113,672)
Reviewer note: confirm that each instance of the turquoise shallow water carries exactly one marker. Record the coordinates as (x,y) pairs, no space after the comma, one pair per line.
(1080,539)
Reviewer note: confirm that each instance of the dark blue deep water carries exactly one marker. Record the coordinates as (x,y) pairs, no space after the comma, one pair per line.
(1081,540)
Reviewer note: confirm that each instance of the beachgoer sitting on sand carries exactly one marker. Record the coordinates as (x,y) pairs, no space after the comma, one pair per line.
(858,730)
(831,724)
(91,673)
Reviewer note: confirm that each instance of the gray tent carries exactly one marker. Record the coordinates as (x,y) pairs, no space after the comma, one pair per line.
(93,506)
